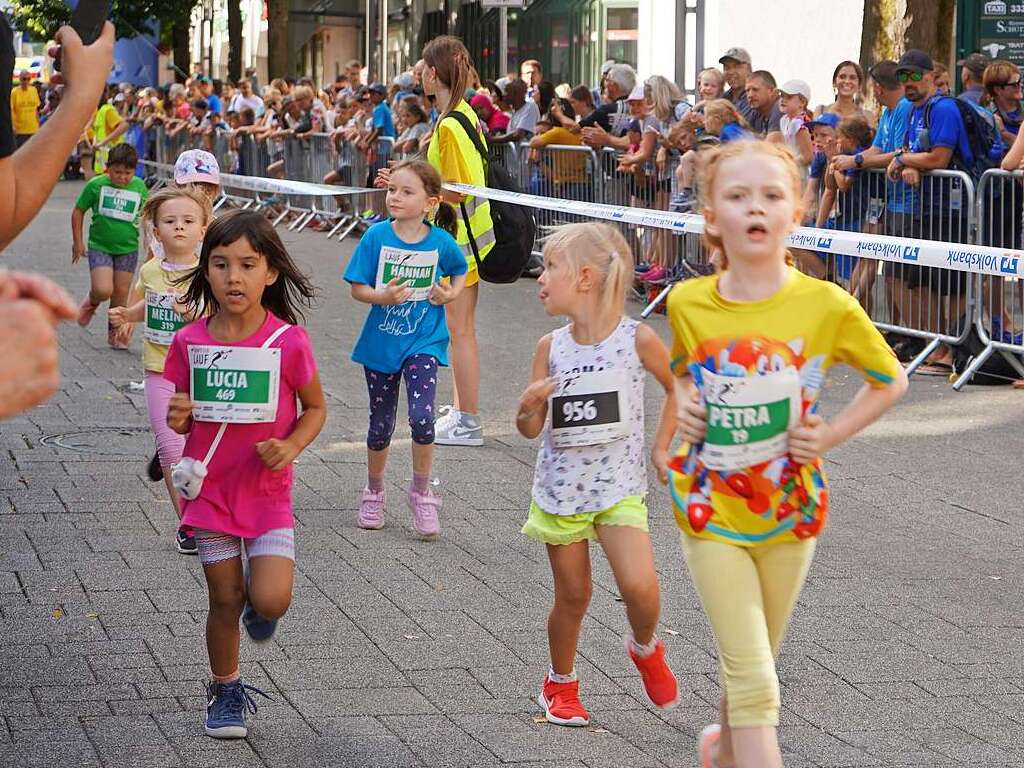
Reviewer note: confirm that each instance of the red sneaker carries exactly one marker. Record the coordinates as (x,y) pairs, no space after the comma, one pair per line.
(86,310)
(659,683)
(561,703)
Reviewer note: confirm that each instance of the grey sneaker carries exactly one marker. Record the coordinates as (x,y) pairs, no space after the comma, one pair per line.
(458,428)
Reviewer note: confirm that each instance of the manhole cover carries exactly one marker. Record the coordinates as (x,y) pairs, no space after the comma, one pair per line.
(119,441)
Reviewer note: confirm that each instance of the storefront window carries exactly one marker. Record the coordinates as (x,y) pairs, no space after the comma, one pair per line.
(622,31)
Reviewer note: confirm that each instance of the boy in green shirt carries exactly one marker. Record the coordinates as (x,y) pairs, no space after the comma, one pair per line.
(115,199)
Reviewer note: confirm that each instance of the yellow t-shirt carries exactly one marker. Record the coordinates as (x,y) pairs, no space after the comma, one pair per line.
(104,121)
(24,105)
(456,158)
(760,366)
(156,283)
(564,166)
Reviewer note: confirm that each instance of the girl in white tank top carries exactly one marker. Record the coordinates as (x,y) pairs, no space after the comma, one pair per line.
(586,401)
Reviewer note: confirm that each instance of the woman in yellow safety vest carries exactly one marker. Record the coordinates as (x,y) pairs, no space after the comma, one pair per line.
(447,73)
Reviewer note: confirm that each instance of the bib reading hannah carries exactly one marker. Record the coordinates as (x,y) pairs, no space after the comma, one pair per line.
(162,321)
(117,203)
(749,418)
(415,268)
(589,409)
(238,385)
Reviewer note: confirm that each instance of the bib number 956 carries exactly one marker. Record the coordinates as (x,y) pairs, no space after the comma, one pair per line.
(575,411)
(593,408)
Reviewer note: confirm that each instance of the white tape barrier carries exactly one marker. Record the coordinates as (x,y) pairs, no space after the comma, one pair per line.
(925,253)
(282,186)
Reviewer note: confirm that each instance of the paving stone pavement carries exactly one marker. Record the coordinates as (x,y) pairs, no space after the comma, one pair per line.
(905,649)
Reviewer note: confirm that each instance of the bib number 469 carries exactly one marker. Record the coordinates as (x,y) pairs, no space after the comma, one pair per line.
(225,394)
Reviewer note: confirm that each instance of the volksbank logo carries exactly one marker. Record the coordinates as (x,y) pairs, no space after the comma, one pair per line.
(1008,265)
(910,253)
(824,242)
(888,251)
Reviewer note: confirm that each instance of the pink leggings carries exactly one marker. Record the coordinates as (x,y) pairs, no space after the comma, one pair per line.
(169,444)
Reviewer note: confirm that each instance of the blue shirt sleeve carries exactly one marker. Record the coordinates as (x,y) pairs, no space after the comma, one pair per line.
(450,259)
(945,126)
(379,120)
(818,164)
(362,267)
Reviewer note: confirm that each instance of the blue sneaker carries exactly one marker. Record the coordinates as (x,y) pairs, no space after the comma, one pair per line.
(225,709)
(259,628)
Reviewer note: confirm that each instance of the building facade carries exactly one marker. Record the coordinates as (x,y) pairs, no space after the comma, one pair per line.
(570,38)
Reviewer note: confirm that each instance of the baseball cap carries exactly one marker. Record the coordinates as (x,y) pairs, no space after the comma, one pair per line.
(735,54)
(606,67)
(827,119)
(24,73)
(914,60)
(638,93)
(379,89)
(976,63)
(793,87)
(404,80)
(196,166)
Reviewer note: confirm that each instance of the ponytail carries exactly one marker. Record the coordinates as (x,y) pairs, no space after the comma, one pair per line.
(446,218)
(449,57)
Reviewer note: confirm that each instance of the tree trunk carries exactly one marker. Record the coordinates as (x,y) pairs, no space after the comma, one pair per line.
(277,38)
(182,55)
(235,40)
(892,26)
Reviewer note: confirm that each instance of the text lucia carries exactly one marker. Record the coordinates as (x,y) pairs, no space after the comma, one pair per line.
(226,379)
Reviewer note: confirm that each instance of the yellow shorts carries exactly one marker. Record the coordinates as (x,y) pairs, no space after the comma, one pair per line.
(568,529)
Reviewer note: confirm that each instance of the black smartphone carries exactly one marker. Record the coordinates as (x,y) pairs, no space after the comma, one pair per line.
(87,20)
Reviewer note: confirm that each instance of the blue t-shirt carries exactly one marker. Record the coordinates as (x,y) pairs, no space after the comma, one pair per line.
(214,101)
(394,333)
(383,121)
(892,129)
(945,129)
(733,132)
(818,165)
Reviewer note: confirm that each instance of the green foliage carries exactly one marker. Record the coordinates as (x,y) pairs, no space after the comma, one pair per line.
(41,18)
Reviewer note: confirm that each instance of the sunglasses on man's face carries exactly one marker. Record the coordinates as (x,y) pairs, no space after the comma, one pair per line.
(914,76)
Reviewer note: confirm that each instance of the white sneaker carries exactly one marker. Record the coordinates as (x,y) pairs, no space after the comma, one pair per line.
(454,427)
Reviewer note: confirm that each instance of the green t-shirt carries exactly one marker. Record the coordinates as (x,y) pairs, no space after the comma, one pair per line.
(114,227)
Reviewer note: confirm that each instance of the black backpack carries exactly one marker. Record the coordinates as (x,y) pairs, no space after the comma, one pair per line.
(514,226)
(994,371)
(987,145)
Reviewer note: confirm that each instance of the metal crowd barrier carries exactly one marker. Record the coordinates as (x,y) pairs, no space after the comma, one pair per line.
(999,319)
(937,306)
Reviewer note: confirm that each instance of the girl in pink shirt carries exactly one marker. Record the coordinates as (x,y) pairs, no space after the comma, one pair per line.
(235,476)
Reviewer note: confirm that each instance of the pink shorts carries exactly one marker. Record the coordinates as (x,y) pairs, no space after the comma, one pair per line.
(169,444)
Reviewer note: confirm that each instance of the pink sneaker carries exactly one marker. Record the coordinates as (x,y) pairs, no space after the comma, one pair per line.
(371,510)
(425,507)
(85,311)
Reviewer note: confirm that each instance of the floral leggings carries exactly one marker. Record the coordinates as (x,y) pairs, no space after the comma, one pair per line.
(420,373)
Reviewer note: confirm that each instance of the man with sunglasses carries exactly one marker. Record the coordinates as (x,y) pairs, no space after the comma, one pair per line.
(935,137)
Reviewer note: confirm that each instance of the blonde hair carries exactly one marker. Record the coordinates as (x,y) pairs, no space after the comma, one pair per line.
(601,246)
(151,208)
(712,163)
(717,75)
(725,111)
(663,96)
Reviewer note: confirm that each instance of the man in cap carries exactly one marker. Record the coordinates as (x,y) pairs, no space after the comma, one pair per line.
(406,84)
(737,67)
(972,73)
(25,105)
(939,143)
(207,90)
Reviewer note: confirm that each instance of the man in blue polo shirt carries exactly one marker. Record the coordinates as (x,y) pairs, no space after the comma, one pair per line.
(942,204)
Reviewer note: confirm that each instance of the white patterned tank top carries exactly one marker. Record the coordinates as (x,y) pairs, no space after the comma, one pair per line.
(592,478)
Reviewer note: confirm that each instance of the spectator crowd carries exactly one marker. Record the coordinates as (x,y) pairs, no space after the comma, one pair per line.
(898,118)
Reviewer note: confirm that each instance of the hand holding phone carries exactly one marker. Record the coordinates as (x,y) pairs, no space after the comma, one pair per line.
(87,20)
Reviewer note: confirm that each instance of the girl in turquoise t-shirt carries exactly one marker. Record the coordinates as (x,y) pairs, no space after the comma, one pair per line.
(397,268)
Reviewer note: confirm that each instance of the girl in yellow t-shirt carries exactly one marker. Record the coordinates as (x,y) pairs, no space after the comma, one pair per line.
(178,216)
(751,347)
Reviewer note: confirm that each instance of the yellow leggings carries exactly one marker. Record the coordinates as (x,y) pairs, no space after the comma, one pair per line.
(748,594)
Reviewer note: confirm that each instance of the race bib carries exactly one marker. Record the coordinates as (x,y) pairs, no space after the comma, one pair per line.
(589,409)
(117,203)
(162,320)
(749,418)
(416,269)
(238,385)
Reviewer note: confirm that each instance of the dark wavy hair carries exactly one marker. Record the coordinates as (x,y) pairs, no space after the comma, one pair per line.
(285,297)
